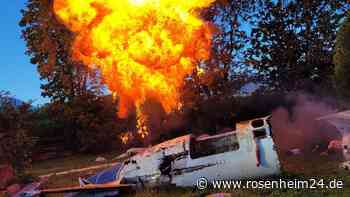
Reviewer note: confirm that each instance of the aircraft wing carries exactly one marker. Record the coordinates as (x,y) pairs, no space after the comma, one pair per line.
(340,120)
(90,187)
(103,188)
(345,115)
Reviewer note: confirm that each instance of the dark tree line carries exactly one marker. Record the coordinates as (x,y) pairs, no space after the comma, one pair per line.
(292,43)
(281,46)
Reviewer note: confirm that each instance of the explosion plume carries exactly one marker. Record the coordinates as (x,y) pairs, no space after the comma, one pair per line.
(143,48)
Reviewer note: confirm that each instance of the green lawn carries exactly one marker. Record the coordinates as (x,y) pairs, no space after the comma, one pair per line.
(67,163)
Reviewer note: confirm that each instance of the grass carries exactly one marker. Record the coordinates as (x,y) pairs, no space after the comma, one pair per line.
(294,167)
(67,163)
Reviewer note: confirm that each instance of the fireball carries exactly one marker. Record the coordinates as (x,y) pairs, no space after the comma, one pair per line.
(144,49)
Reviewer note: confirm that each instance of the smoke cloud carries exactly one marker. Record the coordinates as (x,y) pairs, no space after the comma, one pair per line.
(297,127)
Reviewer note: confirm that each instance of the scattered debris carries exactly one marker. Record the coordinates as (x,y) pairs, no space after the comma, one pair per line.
(29,188)
(315,149)
(294,151)
(341,121)
(335,145)
(346,146)
(101,159)
(345,165)
(6,174)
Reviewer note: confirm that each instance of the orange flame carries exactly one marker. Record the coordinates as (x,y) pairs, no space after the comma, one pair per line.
(126,137)
(143,48)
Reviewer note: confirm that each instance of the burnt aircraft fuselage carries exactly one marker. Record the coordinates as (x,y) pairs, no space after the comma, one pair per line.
(247,152)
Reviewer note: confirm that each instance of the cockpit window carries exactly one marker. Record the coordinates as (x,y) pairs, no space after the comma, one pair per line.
(257,123)
(259,133)
(212,146)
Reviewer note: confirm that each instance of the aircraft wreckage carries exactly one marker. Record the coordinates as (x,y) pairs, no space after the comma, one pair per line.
(341,121)
(246,152)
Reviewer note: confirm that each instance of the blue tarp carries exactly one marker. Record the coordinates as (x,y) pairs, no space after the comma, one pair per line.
(105,176)
(102,177)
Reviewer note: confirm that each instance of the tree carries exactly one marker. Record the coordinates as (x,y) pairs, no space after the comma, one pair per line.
(78,110)
(292,42)
(342,59)
(225,71)
(48,45)
(16,123)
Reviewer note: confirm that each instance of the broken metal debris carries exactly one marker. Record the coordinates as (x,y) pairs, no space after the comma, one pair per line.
(295,151)
(101,159)
(341,121)
(345,165)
